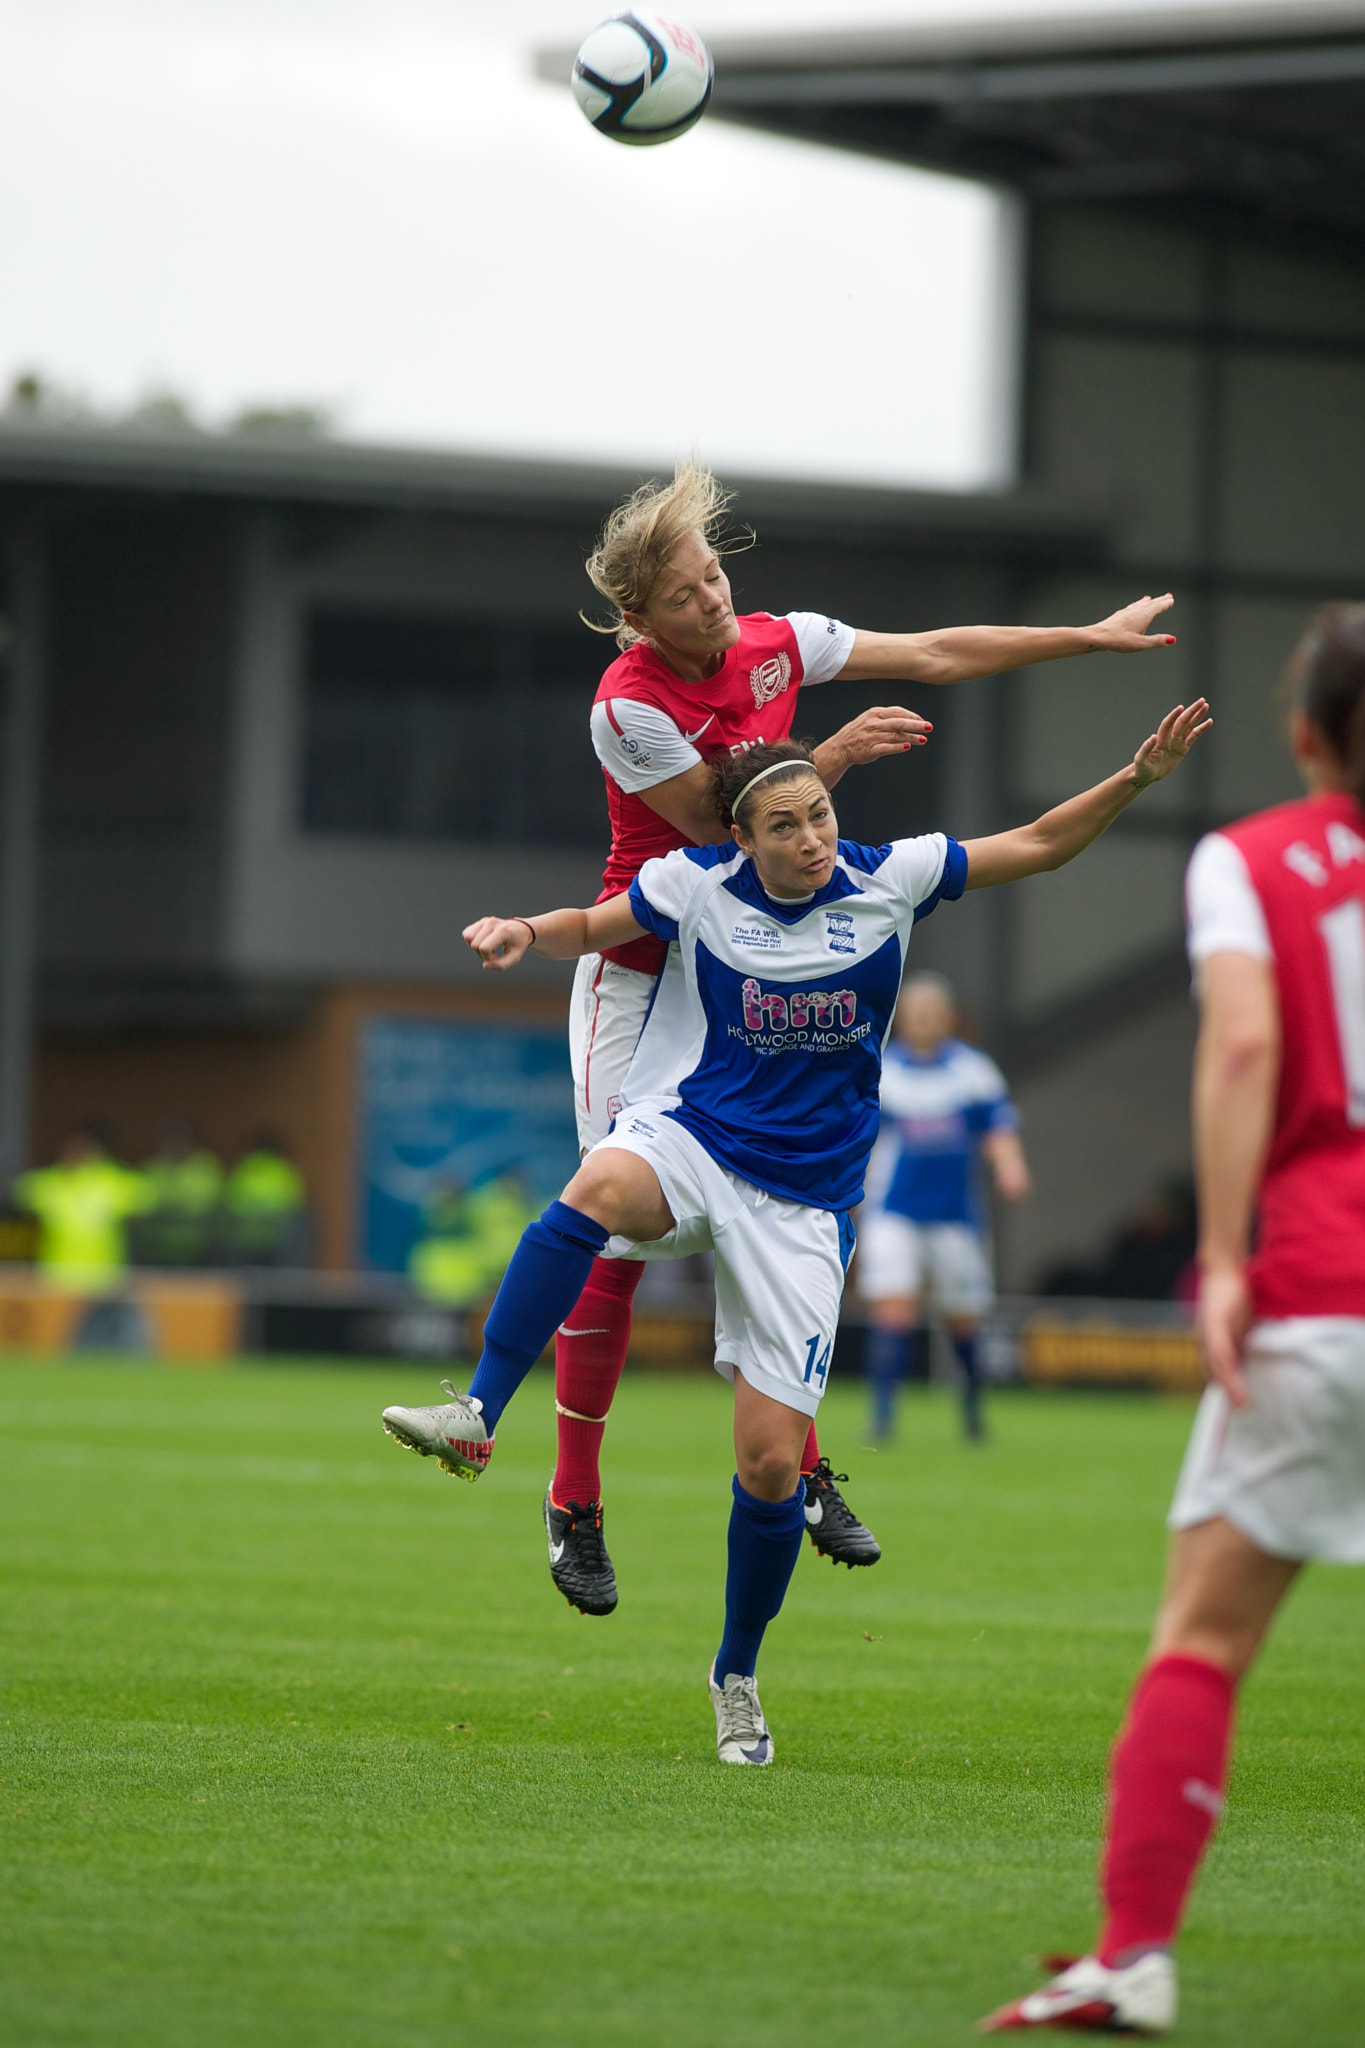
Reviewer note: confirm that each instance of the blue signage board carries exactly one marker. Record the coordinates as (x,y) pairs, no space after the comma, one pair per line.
(446,1105)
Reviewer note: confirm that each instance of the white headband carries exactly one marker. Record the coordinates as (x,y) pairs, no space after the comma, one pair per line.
(771,769)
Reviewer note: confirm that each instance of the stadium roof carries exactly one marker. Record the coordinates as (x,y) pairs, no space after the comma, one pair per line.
(56,459)
(1253,113)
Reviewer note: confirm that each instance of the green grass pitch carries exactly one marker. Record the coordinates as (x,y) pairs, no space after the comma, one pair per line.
(300,1746)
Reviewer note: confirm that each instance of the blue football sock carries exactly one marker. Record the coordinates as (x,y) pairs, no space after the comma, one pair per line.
(886,1359)
(544,1279)
(968,1359)
(765,1542)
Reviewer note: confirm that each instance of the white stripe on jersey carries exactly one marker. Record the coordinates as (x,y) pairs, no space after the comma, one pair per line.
(824,645)
(1222,910)
(958,1077)
(639,745)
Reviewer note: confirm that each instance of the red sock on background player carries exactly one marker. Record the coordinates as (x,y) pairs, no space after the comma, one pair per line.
(1166,1781)
(590,1354)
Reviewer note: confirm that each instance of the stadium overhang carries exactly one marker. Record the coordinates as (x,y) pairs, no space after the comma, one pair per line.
(1252,114)
(47,464)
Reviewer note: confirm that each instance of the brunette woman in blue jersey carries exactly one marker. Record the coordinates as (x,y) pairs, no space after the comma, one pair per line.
(749,1112)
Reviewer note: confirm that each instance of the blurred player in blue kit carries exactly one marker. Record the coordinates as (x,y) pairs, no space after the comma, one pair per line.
(922,1233)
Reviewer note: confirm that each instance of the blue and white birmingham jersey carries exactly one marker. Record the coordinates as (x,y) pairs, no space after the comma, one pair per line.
(935,1111)
(769,1018)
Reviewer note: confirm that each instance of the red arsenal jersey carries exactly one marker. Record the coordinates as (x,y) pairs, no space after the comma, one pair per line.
(750,699)
(1306,864)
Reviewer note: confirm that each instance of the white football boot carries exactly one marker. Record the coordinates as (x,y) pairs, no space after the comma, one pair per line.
(741,1732)
(453,1432)
(1089,1997)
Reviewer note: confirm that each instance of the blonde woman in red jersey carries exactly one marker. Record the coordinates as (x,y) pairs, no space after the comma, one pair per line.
(694,680)
(1275,1470)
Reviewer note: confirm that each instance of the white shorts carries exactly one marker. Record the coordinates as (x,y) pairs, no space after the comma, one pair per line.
(779,1265)
(606,1011)
(1289,1469)
(946,1261)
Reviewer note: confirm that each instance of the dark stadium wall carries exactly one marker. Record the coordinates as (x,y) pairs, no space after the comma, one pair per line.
(1105,1129)
(143,600)
(1205,391)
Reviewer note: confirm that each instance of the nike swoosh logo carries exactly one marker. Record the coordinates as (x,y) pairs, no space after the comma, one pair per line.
(556,1552)
(755,1756)
(815,1515)
(565,1332)
(700,729)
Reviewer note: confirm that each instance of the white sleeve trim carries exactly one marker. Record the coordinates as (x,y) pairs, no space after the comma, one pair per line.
(915,867)
(990,1081)
(669,881)
(642,747)
(824,644)
(1222,910)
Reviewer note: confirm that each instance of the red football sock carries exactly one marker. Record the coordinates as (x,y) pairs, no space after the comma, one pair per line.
(590,1352)
(810,1457)
(1166,1780)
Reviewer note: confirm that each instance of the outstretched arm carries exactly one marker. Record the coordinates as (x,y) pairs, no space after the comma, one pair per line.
(1057,837)
(559,934)
(958,654)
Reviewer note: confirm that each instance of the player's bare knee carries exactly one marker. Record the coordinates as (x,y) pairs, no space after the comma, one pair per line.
(620,1191)
(768,1471)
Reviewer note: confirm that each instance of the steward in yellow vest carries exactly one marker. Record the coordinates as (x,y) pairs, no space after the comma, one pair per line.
(83,1204)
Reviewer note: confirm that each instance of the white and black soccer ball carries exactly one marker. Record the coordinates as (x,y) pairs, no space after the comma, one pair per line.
(641,78)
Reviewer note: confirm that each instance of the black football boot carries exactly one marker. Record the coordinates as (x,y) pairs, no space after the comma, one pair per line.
(579,1564)
(833,1527)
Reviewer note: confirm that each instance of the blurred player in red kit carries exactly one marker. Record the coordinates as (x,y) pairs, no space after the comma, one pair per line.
(1275,1470)
(694,681)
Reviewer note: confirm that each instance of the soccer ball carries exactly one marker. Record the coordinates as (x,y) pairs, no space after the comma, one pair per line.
(641,78)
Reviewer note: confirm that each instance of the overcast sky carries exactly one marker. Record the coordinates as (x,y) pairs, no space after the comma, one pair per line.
(376,207)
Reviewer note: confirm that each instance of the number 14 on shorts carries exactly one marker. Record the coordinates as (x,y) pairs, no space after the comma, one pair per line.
(817,1361)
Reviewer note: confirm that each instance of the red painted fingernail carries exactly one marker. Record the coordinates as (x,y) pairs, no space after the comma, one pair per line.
(1170,639)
